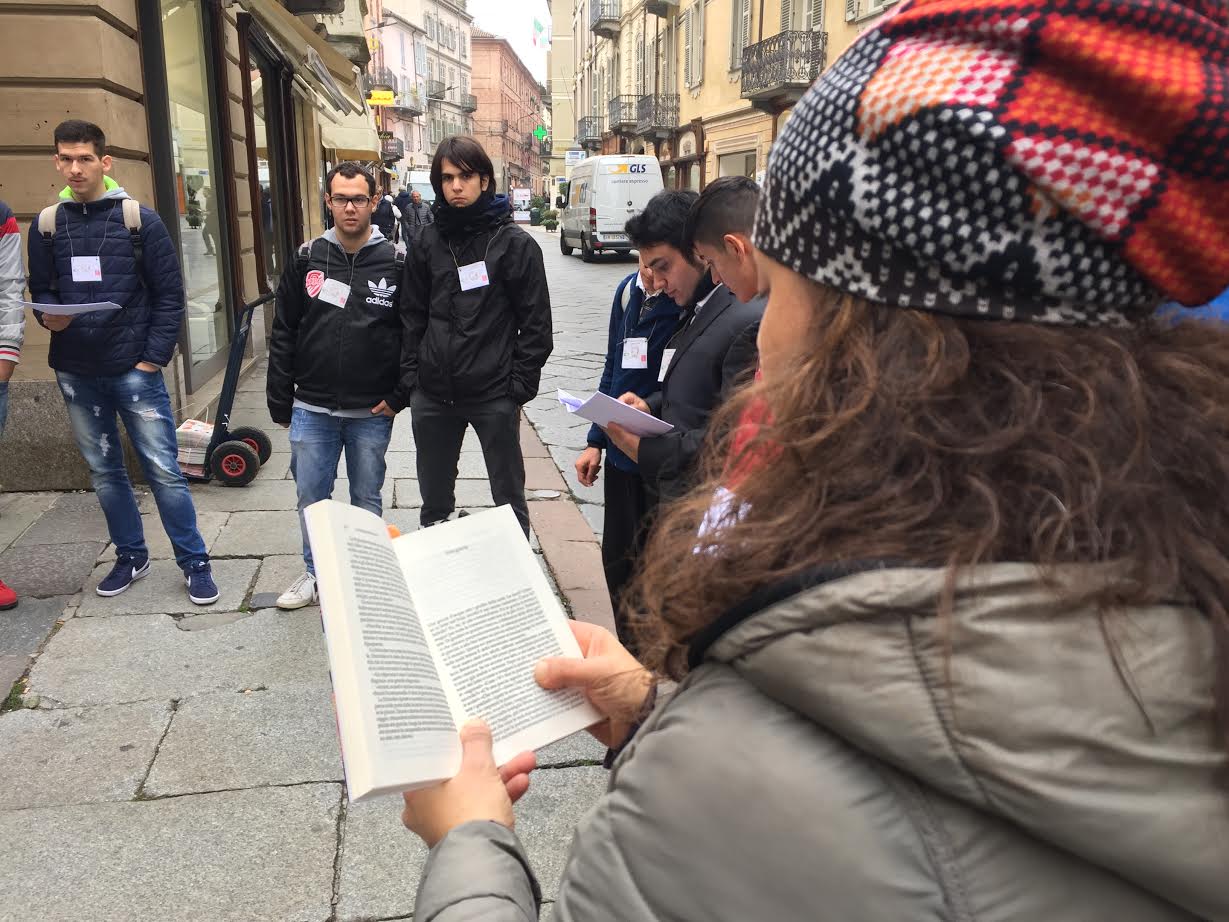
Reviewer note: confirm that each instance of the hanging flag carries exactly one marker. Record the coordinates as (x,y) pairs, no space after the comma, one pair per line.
(540,38)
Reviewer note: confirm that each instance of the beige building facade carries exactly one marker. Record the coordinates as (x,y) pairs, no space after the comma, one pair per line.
(223,117)
(704,85)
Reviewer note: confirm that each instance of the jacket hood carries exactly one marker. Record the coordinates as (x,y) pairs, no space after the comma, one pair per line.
(113,192)
(377,236)
(1014,705)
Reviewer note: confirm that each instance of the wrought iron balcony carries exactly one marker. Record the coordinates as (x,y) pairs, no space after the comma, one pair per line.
(392,149)
(469,103)
(408,105)
(604,17)
(546,147)
(663,8)
(622,112)
(589,132)
(657,116)
(436,89)
(778,70)
(324,7)
(379,78)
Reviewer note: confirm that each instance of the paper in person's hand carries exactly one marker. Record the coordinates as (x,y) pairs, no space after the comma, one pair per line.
(605,410)
(72,310)
(429,630)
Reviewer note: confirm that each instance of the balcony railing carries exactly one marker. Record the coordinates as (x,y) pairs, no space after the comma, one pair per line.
(778,70)
(622,112)
(662,8)
(392,149)
(657,116)
(379,78)
(546,147)
(469,103)
(435,89)
(589,132)
(604,17)
(409,104)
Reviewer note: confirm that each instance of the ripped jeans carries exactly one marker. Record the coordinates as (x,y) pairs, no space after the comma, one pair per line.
(141,400)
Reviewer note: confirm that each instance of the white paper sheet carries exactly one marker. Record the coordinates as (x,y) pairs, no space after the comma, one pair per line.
(604,410)
(72,310)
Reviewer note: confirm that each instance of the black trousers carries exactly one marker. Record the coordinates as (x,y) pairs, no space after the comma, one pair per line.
(624,531)
(439,429)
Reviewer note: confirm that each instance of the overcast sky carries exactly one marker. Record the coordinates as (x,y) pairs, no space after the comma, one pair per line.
(513,20)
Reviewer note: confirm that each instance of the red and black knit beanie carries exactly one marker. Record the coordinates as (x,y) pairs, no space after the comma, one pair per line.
(1058,162)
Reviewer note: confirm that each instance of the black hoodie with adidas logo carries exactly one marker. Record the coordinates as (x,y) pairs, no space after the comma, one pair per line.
(336,337)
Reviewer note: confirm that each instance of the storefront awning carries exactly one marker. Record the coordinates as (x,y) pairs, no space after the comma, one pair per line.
(331,74)
(351,137)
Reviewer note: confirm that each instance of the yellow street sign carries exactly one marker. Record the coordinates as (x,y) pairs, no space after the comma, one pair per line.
(380,98)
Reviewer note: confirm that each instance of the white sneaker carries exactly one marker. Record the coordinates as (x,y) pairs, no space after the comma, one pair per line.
(302,592)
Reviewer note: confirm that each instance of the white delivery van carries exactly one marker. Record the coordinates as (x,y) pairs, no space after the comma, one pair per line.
(599,198)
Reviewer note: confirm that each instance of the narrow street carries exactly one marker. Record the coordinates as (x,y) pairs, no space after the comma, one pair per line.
(165,761)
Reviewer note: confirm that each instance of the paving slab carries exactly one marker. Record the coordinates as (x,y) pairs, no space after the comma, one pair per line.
(259,495)
(557,521)
(18,511)
(72,518)
(44,570)
(12,667)
(276,468)
(276,574)
(381,861)
(592,606)
(232,740)
(209,524)
(210,620)
(78,755)
(577,564)
(232,857)
(541,474)
(406,493)
(165,591)
(595,516)
(579,747)
(24,628)
(565,460)
(255,534)
(143,657)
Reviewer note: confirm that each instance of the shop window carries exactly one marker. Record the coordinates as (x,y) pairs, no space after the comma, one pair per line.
(742,164)
(199,186)
(268,144)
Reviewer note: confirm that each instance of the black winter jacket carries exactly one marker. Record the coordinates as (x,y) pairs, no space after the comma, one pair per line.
(338,358)
(483,344)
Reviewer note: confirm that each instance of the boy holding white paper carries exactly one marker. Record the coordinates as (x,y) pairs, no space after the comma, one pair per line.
(99,246)
(478,331)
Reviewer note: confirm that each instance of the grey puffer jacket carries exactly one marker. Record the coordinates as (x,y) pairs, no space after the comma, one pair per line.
(828,761)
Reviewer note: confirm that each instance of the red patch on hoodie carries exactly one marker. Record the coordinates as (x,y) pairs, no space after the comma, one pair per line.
(315,281)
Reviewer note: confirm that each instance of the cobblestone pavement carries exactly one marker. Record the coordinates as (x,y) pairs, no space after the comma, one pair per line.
(168,762)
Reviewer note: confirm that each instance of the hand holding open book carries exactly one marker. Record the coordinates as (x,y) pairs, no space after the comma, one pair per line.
(429,630)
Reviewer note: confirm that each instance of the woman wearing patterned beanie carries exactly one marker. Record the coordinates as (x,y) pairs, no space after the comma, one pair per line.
(958,645)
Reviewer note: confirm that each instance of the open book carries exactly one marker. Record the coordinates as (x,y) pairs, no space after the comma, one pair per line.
(429,630)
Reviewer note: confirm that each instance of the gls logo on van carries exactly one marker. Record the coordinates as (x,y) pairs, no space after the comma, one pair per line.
(625,168)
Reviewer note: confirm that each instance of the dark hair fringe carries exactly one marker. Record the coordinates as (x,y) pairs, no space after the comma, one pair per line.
(77,131)
(349,169)
(663,221)
(726,206)
(468,155)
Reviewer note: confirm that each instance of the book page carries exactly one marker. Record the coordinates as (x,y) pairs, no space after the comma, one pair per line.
(490,616)
(394,717)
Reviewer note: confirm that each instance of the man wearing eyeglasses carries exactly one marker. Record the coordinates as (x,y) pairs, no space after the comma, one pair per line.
(335,375)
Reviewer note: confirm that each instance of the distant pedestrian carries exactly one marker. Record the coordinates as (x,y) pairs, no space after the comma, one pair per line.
(109,363)
(479,331)
(713,351)
(414,218)
(959,647)
(642,321)
(335,366)
(12,330)
(385,218)
(402,200)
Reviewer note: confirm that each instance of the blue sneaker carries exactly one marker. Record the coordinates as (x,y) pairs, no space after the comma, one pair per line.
(201,588)
(127,570)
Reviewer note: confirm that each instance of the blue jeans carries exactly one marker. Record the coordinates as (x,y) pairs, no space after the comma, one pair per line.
(141,401)
(316,441)
(4,404)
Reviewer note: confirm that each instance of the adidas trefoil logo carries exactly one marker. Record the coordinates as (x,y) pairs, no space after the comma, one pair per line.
(381,293)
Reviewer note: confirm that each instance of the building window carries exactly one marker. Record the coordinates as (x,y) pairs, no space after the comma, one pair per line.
(741,164)
(740,32)
(197,180)
(693,44)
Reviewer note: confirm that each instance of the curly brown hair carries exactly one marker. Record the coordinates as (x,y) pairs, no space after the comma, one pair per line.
(948,442)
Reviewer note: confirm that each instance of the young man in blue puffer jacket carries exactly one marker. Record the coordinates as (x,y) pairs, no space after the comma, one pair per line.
(109,362)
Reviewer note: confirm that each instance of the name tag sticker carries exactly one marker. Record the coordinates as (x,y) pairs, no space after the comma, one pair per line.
(636,352)
(666,358)
(473,276)
(87,269)
(335,292)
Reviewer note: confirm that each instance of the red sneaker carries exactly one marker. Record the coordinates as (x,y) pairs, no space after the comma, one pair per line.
(8,598)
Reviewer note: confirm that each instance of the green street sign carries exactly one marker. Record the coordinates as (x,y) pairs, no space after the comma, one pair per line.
(539,132)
